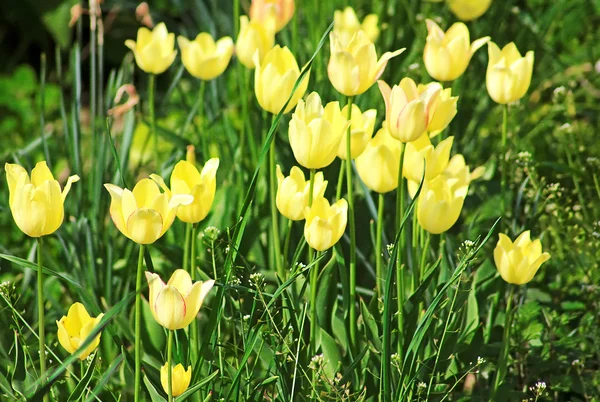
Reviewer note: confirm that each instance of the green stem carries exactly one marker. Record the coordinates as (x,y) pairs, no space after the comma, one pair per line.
(399,270)
(186,245)
(314,277)
(138,317)
(340,182)
(214,266)
(503,165)
(311,187)
(274,216)
(170,366)
(378,241)
(286,244)
(194,325)
(203,132)
(351,224)
(153,134)
(40,300)
(505,344)
(424,257)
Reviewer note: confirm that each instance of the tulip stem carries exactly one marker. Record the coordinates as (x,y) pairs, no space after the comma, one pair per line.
(153,133)
(503,166)
(399,270)
(41,328)
(314,277)
(424,257)
(378,251)
(170,366)
(186,247)
(340,182)
(505,344)
(203,133)
(138,316)
(274,216)
(194,324)
(286,244)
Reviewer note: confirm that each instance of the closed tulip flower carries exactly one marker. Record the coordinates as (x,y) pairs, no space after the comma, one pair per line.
(260,10)
(274,79)
(436,158)
(293,191)
(508,74)
(353,67)
(315,132)
(180,378)
(362,126)
(37,204)
(144,214)
(377,166)
(254,36)
(440,203)
(518,262)
(448,54)
(175,304)
(154,50)
(203,57)
(468,10)
(325,224)
(346,24)
(75,327)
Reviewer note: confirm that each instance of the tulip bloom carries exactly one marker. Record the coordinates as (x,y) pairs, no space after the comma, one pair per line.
(154,50)
(293,191)
(180,378)
(254,36)
(436,158)
(144,214)
(75,327)
(37,204)
(325,224)
(260,10)
(353,67)
(412,110)
(274,79)
(377,166)
(468,10)
(203,57)
(346,24)
(448,54)
(315,132)
(519,261)
(175,304)
(508,74)
(440,203)
(362,126)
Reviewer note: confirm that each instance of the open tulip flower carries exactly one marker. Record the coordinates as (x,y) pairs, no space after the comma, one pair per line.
(518,262)
(292,192)
(175,304)
(377,166)
(440,203)
(274,80)
(325,224)
(203,57)
(75,327)
(353,67)
(346,24)
(468,10)
(254,36)
(362,126)
(37,204)
(154,50)
(436,158)
(315,132)
(181,378)
(448,54)
(260,10)
(508,73)
(144,214)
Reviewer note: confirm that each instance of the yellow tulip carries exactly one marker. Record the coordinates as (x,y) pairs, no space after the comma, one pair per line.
(440,203)
(292,192)
(518,262)
(315,132)
(448,54)
(154,50)
(203,57)
(346,24)
(187,180)
(412,110)
(468,10)
(508,74)
(254,36)
(175,304)
(325,224)
(377,166)
(274,79)
(75,327)
(180,378)
(284,11)
(362,126)
(37,204)
(353,67)
(144,214)
(436,158)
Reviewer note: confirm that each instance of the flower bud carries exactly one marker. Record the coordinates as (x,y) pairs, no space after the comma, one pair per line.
(180,379)
(154,50)
(378,165)
(75,327)
(518,262)
(325,224)
(293,191)
(203,57)
(440,203)
(468,10)
(508,74)
(254,36)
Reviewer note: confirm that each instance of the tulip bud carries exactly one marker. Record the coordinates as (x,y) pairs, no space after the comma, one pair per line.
(508,74)
(353,67)
(260,10)
(436,158)
(180,379)
(315,132)
(325,224)
(447,55)
(175,304)
(154,50)
(519,261)
(203,58)
(37,204)
(346,24)
(440,203)
(362,126)
(293,191)
(254,36)
(274,79)
(377,166)
(75,327)
(468,10)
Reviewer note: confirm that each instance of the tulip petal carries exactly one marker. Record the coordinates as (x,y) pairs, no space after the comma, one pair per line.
(195,299)
(155,285)
(170,308)
(40,174)
(144,226)
(181,281)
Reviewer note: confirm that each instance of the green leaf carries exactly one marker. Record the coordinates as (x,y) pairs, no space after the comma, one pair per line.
(331,353)
(154,395)
(84,382)
(197,386)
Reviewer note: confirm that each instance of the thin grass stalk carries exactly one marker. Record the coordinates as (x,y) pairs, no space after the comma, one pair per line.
(170,366)
(314,276)
(398,246)
(138,325)
(502,364)
(41,328)
(503,165)
(378,244)
(274,214)
(194,345)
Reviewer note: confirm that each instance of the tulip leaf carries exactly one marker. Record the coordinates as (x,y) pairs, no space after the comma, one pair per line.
(370,325)
(331,353)
(197,386)
(154,395)
(84,382)
(326,294)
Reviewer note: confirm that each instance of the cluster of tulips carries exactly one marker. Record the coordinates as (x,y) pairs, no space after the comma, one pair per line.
(318,133)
